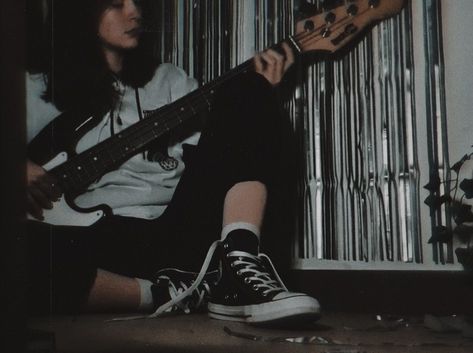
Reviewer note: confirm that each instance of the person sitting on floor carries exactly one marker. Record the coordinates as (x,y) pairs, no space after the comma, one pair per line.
(198,186)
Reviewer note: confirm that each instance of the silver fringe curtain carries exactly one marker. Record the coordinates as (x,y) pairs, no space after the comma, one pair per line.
(361,187)
(354,117)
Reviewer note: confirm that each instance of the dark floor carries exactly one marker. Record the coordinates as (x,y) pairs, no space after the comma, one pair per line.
(334,333)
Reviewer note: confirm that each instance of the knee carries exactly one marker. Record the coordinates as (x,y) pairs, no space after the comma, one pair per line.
(248,102)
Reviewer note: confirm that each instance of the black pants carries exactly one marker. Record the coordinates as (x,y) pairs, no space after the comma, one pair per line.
(240,142)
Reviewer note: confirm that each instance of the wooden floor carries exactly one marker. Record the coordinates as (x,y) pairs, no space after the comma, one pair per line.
(334,333)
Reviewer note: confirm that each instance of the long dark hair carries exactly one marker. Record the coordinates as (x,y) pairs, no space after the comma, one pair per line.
(77,76)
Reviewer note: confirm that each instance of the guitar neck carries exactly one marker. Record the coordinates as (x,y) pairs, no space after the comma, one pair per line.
(327,30)
(86,167)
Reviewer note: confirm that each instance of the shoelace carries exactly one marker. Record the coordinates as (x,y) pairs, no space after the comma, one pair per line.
(254,266)
(199,295)
(180,296)
(251,268)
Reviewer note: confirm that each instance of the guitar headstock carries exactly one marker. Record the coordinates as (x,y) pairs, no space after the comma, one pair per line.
(330,30)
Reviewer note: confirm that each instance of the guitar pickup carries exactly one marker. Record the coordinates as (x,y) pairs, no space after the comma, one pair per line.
(349,30)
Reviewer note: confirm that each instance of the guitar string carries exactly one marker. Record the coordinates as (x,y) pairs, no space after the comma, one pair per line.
(191,99)
(240,68)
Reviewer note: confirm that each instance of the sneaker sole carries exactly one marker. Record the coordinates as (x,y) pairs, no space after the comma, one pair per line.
(294,309)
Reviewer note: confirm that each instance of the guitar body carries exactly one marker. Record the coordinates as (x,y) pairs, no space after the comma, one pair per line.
(64,211)
(61,135)
(51,148)
(62,214)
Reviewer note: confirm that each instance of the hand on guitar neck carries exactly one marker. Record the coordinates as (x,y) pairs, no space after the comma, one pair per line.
(273,65)
(41,190)
(326,31)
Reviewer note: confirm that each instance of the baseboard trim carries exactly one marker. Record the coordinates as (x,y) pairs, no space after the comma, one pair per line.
(388,292)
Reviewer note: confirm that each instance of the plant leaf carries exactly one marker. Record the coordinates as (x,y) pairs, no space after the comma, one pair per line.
(434,201)
(433,184)
(464,232)
(441,234)
(465,257)
(458,207)
(458,165)
(467,186)
(462,213)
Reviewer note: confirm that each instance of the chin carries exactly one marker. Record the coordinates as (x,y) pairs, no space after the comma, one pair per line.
(129,42)
(130,46)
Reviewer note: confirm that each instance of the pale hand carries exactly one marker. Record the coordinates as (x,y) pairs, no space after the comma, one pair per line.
(272,65)
(41,190)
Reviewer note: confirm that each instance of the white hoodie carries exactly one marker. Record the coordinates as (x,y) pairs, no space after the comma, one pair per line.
(138,188)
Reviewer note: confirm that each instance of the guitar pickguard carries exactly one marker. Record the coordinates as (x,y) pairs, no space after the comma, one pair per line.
(62,214)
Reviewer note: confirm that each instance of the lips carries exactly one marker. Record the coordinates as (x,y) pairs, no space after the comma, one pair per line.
(135,31)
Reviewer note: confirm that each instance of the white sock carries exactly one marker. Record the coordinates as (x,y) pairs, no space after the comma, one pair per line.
(146,296)
(240,225)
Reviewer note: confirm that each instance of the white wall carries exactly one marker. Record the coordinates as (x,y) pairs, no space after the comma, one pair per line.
(457,18)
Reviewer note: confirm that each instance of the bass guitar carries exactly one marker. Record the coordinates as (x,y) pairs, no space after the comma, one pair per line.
(327,30)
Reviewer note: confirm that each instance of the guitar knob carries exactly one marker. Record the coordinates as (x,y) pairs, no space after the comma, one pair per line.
(330,17)
(309,25)
(326,33)
(352,10)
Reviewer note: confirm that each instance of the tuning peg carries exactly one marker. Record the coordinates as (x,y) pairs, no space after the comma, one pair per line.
(326,33)
(309,25)
(330,17)
(352,10)
(373,3)
(306,9)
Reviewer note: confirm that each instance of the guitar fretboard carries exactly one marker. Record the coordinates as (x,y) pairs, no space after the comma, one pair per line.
(328,30)
(86,167)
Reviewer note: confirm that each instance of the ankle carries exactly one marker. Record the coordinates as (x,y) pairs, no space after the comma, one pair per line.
(146,294)
(242,240)
(160,292)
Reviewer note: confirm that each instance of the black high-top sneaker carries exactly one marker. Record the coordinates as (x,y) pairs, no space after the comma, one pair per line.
(171,285)
(250,290)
